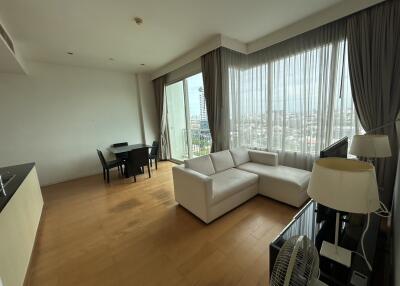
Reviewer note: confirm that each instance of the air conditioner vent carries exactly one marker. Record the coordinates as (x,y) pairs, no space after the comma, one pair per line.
(6,38)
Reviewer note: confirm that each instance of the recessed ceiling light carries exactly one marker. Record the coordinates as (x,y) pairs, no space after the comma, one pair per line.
(70,53)
(138,20)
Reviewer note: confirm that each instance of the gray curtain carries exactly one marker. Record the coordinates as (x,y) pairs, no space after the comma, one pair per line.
(212,80)
(159,92)
(374,64)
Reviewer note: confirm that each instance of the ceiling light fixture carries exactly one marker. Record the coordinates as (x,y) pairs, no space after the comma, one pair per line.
(142,65)
(70,53)
(138,20)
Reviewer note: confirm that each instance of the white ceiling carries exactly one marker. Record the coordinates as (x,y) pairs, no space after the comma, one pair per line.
(95,30)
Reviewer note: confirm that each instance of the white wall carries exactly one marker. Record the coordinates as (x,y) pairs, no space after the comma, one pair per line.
(192,55)
(333,13)
(58,115)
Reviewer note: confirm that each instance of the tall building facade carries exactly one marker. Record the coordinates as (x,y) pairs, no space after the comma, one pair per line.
(203,110)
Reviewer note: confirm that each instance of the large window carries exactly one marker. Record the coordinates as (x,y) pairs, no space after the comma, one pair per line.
(296,104)
(189,134)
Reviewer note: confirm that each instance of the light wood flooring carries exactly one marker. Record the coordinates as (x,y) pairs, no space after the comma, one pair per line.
(130,233)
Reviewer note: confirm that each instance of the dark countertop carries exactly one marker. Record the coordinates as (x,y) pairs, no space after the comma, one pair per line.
(20,171)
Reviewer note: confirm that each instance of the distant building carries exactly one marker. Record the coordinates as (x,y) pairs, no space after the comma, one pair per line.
(203,110)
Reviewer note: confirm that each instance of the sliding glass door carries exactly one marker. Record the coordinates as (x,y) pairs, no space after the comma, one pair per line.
(189,134)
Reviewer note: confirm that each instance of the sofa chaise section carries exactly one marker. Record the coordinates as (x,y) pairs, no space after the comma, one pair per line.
(281,183)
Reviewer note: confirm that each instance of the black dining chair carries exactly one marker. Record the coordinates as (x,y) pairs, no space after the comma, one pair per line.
(137,159)
(107,165)
(154,154)
(122,156)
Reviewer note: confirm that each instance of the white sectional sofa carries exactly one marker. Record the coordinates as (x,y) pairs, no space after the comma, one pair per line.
(211,185)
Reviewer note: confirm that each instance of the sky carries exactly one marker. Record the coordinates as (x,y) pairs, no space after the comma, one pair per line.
(194,83)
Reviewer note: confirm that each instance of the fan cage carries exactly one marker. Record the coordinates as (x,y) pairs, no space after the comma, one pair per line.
(306,263)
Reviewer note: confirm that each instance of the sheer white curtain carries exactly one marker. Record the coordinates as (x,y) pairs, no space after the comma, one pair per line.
(293,98)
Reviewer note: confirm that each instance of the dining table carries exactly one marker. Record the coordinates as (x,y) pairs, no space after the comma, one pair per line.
(125,149)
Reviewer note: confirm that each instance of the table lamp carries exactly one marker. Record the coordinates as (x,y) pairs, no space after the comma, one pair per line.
(370,146)
(344,185)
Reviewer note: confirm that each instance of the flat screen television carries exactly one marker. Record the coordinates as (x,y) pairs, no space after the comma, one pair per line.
(337,149)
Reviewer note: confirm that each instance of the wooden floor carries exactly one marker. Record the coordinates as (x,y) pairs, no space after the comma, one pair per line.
(135,234)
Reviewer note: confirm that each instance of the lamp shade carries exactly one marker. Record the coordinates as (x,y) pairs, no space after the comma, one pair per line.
(345,185)
(370,146)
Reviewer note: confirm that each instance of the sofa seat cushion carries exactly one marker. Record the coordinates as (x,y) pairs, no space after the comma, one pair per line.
(201,164)
(229,182)
(222,160)
(297,178)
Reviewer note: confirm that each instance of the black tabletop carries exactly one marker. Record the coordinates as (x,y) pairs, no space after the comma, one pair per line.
(18,174)
(123,149)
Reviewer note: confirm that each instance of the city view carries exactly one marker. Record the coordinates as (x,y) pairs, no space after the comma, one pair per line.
(288,130)
(291,132)
(293,111)
(189,134)
(199,129)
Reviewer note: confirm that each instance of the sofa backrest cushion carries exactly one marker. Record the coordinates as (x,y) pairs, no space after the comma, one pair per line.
(262,157)
(240,156)
(222,160)
(201,164)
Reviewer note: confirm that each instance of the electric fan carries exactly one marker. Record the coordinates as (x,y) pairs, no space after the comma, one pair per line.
(297,264)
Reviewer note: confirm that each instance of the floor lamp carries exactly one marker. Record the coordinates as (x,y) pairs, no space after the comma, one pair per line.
(344,185)
(370,146)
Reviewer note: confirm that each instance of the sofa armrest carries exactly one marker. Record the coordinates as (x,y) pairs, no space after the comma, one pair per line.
(193,190)
(262,157)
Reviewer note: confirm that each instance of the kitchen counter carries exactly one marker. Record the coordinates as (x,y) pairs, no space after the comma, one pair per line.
(20,172)
(20,214)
